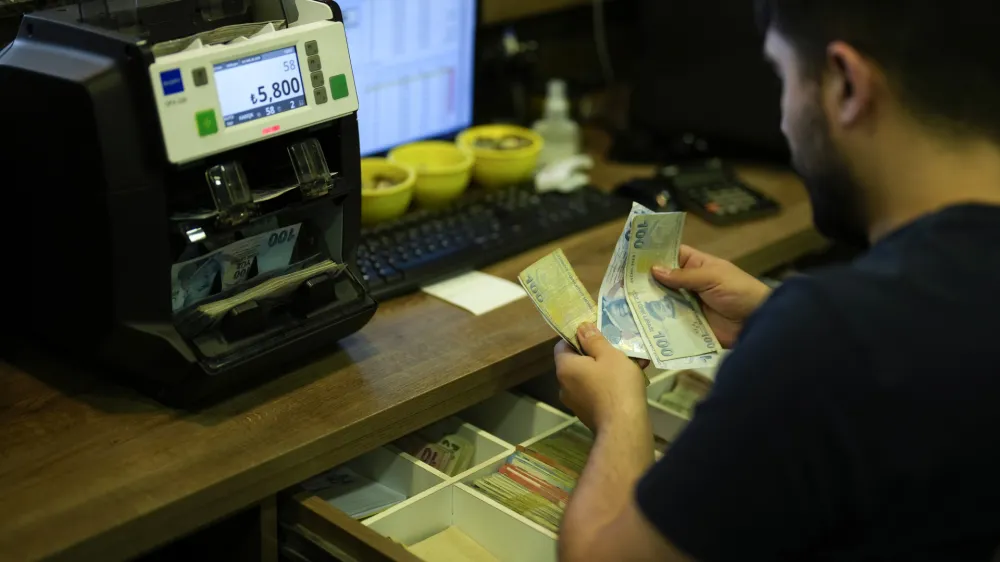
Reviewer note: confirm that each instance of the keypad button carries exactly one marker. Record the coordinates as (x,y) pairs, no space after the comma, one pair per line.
(199,76)
(338,86)
(311,48)
(317,79)
(205,120)
(314,63)
(320,95)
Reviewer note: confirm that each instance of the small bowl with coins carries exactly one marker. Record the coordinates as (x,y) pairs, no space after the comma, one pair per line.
(505,154)
(443,170)
(386,189)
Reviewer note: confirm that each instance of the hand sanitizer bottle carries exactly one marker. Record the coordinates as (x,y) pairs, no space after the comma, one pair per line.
(561,134)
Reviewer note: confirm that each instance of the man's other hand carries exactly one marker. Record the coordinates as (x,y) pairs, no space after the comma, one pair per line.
(602,387)
(728,294)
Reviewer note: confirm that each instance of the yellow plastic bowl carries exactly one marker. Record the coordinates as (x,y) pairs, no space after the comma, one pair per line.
(443,170)
(495,168)
(379,205)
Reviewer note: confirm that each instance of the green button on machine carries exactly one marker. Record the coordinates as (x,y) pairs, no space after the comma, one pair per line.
(338,86)
(206,123)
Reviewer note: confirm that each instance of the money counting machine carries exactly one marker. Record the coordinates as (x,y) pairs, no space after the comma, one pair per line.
(188,181)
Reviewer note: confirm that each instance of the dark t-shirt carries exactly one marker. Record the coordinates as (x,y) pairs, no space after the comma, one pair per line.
(858,417)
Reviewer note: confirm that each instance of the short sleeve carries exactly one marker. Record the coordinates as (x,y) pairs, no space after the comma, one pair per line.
(755,475)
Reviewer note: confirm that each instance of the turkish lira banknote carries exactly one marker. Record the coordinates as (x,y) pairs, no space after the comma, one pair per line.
(615,320)
(218,35)
(276,286)
(193,281)
(273,286)
(689,389)
(559,295)
(671,323)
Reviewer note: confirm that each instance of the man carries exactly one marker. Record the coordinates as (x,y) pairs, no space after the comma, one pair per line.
(858,415)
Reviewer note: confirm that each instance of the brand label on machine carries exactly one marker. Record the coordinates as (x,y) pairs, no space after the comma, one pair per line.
(172,81)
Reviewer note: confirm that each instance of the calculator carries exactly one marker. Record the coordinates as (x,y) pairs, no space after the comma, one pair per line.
(711,190)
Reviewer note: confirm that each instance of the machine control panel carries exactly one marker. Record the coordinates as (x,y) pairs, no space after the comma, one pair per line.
(217,97)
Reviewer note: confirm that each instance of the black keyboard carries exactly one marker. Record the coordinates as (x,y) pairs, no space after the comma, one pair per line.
(482,228)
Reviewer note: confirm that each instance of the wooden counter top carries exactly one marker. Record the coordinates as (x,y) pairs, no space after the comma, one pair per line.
(93,471)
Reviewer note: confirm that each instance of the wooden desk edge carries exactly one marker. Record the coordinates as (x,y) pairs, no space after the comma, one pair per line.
(172,521)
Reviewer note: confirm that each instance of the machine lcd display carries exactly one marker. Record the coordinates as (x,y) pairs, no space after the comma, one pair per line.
(259,86)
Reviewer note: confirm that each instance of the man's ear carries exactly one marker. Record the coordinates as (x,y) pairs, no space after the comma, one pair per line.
(849,90)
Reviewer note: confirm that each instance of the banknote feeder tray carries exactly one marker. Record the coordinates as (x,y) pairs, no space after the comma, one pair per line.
(198,166)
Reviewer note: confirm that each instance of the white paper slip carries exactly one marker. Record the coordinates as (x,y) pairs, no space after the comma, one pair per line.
(356,495)
(477,292)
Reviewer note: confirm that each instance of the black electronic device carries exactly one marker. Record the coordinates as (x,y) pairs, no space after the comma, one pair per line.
(712,191)
(705,90)
(481,228)
(653,193)
(192,192)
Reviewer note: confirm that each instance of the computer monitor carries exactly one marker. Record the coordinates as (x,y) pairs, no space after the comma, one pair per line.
(413,68)
(704,74)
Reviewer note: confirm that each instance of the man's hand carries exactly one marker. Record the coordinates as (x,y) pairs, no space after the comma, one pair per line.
(607,391)
(603,387)
(729,295)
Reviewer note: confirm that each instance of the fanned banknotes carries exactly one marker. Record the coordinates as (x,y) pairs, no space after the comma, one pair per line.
(668,327)
(615,320)
(559,295)
(671,323)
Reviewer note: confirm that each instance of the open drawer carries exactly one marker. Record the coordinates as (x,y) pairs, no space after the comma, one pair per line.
(445,518)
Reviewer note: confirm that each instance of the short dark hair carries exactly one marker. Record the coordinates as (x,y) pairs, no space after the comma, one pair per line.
(940,55)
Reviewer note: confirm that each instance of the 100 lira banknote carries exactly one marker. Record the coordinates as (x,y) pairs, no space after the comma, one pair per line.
(194,280)
(615,320)
(559,295)
(671,323)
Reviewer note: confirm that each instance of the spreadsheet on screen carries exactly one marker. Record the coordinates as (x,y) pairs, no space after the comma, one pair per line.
(413,68)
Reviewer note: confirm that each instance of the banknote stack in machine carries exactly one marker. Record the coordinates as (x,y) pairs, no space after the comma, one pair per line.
(643,318)
(537,480)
